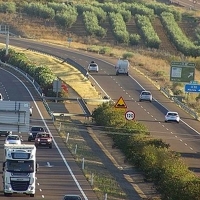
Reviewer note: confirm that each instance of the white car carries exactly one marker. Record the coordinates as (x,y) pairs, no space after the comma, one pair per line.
(13,139)
(93,67)
(145,96)
(172,116)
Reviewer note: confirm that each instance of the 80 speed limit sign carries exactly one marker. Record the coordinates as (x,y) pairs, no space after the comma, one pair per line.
(130,115)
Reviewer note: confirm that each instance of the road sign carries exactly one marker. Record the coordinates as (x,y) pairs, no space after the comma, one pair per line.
(193,82)
(182,72)
(120,103)
(192,88)
(57,85)
(130,115)
(69,39)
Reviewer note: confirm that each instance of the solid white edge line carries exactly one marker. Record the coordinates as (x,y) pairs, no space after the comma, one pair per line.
(62,156)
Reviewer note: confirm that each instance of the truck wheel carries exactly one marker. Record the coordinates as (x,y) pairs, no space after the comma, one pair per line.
(50,147)
(32,195)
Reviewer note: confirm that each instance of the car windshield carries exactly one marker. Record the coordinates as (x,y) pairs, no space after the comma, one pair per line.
(39,129)
(13,137)
(72,198)
(46,135)
(19,166)
(93,65)
(172,114)
(146,93)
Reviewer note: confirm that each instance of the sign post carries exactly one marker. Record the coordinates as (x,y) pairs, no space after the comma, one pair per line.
(57,87)
(182,72)
(69,41)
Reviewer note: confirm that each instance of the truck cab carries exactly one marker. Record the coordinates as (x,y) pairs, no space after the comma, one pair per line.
(19,169)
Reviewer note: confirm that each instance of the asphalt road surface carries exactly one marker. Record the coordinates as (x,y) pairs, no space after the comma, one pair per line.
(183,137)
(189,4)
(58,173)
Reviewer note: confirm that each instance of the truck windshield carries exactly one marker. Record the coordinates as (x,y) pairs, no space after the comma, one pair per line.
(19,166)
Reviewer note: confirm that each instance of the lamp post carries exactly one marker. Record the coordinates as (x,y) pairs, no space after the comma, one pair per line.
(7,40)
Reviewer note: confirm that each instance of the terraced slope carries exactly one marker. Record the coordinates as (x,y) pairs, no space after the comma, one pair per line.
(166,45)
(37,28)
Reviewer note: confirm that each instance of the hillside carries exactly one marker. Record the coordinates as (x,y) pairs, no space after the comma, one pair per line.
(28,26)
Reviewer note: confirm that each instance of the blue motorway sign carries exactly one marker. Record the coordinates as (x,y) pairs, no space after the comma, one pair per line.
(192,88)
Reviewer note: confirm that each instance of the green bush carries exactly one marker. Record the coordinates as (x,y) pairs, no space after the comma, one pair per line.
(161,165)
(42,74)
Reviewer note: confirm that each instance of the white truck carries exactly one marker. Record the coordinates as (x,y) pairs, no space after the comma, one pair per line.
(14,115)
(19,169)
(122,67)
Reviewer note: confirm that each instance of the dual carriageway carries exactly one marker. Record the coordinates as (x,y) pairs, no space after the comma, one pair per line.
(65,176)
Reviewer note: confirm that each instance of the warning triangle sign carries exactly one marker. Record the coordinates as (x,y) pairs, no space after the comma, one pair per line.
(120,103)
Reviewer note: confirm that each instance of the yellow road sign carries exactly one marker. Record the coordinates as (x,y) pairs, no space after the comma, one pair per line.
(120,103)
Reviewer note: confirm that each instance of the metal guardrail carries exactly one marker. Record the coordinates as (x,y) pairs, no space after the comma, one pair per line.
(84,71)
(75,99)
(180,104)
(34,83)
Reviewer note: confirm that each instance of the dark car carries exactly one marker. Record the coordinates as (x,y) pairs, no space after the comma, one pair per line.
(33,132)
(43,139)
(72,197)
(5,133)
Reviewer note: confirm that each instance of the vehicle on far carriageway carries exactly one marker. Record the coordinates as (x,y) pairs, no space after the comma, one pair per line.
(172,116)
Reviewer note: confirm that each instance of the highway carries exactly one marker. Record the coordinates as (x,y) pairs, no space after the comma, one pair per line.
(183,137)
(58,173)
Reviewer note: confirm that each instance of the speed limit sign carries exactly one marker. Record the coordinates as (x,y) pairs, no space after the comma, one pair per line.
(130,115)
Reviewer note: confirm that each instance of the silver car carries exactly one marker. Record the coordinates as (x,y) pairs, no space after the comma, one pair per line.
(145,96)
(172,116)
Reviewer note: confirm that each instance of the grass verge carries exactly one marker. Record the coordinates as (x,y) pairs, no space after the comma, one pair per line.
(102,182)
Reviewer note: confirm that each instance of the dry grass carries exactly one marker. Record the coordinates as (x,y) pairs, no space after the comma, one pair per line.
(152,63)
(66,72)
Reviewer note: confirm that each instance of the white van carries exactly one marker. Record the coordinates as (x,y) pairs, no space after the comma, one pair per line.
(122,67)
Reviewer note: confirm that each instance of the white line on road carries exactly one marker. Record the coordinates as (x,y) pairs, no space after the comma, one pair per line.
(62,156)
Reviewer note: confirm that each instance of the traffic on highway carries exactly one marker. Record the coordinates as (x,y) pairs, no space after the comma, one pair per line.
(56,174)
(183,137)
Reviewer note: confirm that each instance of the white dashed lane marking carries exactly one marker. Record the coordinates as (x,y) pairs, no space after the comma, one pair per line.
(147,111)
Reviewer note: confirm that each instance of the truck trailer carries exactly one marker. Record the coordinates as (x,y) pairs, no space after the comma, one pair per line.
(19,169)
